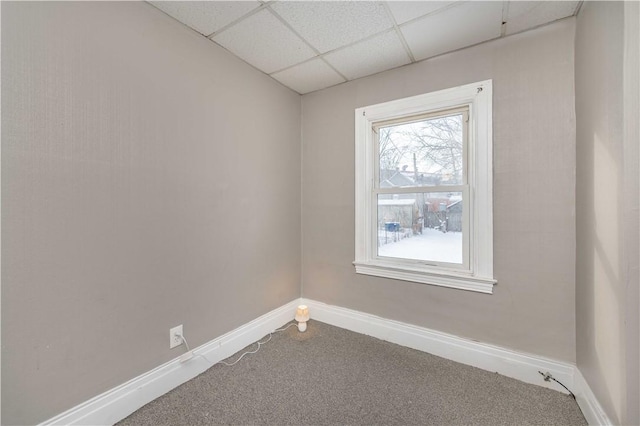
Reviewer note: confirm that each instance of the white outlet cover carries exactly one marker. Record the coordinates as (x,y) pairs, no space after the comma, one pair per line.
(174,339)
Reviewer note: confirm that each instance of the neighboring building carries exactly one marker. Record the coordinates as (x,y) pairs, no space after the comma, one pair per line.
(398,210)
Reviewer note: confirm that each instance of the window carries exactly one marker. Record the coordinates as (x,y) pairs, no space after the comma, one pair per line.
(424,188)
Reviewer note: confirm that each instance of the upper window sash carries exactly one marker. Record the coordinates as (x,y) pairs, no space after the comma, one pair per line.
(386,134)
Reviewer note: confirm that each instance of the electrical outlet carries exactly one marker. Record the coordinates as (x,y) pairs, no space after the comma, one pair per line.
(174,336)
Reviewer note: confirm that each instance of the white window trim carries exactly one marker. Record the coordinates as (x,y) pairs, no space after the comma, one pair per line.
(479,277)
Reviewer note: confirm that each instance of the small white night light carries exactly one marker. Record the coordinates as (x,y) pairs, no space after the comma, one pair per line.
(302,316)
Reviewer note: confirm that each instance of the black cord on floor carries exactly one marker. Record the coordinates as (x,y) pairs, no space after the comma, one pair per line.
(548,377)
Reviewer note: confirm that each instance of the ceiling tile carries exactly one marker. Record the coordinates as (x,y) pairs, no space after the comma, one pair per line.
(368,57)
(528,14)
(264,42)
(203,16)
(310,76)
(404,11)
(453,28)
(333,24)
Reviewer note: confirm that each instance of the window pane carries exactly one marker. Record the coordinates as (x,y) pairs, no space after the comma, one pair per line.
(421,226)
(423,153)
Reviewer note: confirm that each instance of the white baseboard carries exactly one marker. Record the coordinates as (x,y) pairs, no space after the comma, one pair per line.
(117,403)
(591,408)
(517,365)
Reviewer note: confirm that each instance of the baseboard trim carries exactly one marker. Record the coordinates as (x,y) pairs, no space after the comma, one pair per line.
(591,408)
(510,363)
(117,403)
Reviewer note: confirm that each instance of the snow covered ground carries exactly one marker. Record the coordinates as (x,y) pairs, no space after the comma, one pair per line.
(431,245)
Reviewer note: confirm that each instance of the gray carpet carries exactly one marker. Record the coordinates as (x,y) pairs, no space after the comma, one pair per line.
(328,375)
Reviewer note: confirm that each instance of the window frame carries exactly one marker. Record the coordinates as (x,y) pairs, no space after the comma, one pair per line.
(478,198)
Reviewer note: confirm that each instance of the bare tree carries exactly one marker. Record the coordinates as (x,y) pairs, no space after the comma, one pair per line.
(437,143)
(390,152)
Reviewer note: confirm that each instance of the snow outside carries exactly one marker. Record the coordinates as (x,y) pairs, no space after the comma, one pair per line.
(431,245)
(426,154)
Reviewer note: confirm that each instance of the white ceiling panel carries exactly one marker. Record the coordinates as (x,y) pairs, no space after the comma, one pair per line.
(206,17)
(523,15)
(368,57)
(309,76)
(330,25)
(310,45)
(264,42)
(454,28)
(404,11)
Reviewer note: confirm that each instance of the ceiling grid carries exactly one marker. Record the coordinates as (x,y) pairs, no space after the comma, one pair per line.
(311,45)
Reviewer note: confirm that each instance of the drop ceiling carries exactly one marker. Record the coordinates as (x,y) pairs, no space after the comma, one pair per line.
(311,45)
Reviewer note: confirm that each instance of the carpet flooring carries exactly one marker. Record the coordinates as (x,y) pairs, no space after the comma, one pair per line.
(331,376)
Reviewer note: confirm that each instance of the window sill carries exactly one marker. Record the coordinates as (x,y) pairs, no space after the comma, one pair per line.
(440,278)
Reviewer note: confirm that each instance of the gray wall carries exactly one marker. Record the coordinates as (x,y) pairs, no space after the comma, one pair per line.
(532,308)
(607,205)
(149,179)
